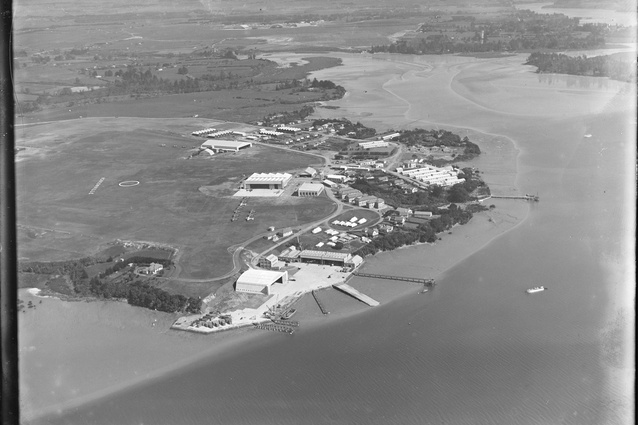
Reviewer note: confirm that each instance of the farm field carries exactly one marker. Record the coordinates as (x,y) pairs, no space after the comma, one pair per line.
(184,203)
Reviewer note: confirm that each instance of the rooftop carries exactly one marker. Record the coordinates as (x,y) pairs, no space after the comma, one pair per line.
(266,177)
(260,277)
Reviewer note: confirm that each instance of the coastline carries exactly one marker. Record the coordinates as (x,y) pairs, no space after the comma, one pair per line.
(439,258)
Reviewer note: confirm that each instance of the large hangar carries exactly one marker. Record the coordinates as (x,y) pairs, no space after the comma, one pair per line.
(267,181)
(226,145)
(255,281)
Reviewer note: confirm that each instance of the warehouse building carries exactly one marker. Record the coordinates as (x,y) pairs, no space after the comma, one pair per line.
(310,189)
(324,257)
(271,262)
(308,172)
(261,282)
(225,145)
(374,144)
(267,181)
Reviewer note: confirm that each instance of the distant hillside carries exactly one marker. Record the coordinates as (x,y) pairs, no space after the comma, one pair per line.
(618,5)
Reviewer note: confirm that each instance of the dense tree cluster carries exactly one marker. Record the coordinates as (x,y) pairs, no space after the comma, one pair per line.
(520,30)
(135,292)
(344,126)
(598,66)
(430,138)
(144,295)
(425,232)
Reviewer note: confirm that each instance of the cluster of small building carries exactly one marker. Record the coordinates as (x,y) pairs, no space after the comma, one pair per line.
(275,236)
(431,175)
(151,269)
(356,197)
(335,237)
(353,222)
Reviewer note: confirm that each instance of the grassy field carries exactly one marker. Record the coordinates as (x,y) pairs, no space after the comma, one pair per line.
(186,203)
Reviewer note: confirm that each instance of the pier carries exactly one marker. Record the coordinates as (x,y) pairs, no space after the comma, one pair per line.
(275,328)
(526,197)
(358,295)
(319,303)
(285,322)
(392,277)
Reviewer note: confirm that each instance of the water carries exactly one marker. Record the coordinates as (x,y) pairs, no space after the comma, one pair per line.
(476,349)
(605,16)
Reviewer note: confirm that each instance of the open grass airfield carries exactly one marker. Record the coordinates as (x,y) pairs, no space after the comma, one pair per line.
(184,203)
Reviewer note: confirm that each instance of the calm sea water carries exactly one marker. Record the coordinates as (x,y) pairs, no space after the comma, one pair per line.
(476,349)
(606,16)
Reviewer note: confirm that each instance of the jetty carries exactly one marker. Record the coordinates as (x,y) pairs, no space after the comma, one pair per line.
(527,197)
(418,280)
(319,303)
(344,287)
(285,322)
(275,328)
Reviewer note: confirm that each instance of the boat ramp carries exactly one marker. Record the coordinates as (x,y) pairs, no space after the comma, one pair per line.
(344,287)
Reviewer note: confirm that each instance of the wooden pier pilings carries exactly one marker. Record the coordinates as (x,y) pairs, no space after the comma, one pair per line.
(418,280)
(319,303)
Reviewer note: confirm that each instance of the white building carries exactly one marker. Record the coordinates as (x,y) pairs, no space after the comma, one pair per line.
(374,144)
(430,175)
(391,136)
(225,145)
(310,189)
(270,132)
(255,281)
(267,181)
(338,178)
(219,133)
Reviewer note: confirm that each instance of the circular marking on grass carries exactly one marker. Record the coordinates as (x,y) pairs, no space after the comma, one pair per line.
(129,183)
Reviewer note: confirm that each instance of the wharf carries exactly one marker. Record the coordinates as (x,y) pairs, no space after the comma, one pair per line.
(392,277)
(319,303)
(358,295)
(275,328)
(526,197)
(285,322)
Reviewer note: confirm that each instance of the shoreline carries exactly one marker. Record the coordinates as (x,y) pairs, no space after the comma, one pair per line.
(447,253)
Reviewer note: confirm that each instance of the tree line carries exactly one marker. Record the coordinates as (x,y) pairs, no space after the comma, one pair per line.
(597,66)
(425,232)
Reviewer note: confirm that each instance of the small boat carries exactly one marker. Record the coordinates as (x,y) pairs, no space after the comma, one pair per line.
(587,135)
(288,314)
(535,289)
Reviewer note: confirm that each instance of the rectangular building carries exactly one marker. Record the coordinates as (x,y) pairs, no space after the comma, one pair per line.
(225,145)
(310,189)
(268,262)
(262,282)
(267,181)
(374,144)
(324,257)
